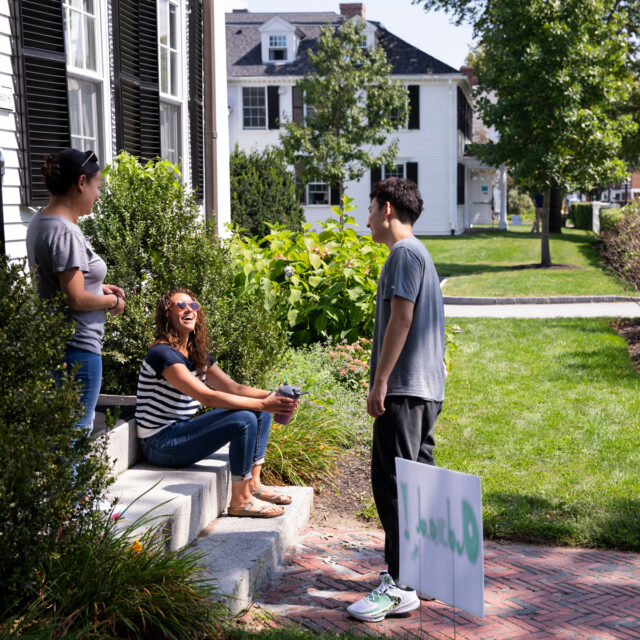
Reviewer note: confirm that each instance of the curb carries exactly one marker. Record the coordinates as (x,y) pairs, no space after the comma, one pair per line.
(537,300)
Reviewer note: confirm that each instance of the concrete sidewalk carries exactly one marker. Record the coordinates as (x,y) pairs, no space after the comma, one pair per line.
(530,591)
(567,310)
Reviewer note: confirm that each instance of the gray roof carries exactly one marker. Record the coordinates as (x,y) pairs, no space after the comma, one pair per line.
(244,54)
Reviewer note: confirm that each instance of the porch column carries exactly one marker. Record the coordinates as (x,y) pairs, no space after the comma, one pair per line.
(503,224)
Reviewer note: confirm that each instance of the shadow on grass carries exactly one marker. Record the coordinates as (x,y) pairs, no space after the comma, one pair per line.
(539,520)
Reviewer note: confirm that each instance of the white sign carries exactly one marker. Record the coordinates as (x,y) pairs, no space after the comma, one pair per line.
(440,519)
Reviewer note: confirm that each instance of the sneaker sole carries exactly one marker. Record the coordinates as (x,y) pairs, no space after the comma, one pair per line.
(411,606)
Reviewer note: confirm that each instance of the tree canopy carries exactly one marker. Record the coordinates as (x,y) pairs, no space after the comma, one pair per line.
(352,104)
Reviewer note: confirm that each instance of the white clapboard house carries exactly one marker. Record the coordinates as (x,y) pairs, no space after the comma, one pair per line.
(110,75)
(267,54)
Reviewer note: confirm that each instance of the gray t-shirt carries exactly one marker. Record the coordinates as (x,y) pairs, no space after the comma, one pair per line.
(409,273)
(54,245)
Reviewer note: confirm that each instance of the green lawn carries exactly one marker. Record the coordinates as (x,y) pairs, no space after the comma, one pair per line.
(547,412)
(481,264)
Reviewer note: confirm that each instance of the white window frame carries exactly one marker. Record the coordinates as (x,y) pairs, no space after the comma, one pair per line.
(99,78)
(395,173)
(244,106)
(325,187)
(273,47)
(172,95)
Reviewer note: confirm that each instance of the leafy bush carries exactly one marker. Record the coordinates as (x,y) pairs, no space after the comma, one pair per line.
(519,203)
(620,246)
(609,219)
(149,230)
(318,285)
(263,190)
(48,465)
(109,585)
(582,215)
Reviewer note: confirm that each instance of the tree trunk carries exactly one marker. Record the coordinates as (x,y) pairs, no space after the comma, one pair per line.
(545,253)
(555,211)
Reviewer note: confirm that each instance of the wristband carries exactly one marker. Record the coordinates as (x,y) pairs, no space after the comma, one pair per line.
(117,302)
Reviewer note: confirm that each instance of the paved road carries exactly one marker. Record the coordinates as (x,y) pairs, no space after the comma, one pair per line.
(531,592)
(571,310)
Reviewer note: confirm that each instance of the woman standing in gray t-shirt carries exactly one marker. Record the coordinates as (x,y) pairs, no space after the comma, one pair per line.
(62,261)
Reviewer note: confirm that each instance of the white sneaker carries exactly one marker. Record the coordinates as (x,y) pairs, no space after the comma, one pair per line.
(387,599)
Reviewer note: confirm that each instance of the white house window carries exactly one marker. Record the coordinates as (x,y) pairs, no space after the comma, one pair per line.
(277,47)
(364,42)
(318,193)
(254,108)
(84,80)
(170,79)
(393,171)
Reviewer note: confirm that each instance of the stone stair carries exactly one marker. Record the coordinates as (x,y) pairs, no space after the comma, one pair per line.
(189,504)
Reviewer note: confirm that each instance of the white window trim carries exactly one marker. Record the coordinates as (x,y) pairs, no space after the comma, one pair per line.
(399,163)
(285,48)
(306,194)
(266,109)
(103,76)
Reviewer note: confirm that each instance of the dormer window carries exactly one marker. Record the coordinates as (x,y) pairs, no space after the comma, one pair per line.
(277,48)
(363,43)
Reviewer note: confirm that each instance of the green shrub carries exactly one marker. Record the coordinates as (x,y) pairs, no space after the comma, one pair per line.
(108,585)
(263,190)
(48,466)
(149,230)
(305,450)
(519,203)
(582,215)
(318,285)
(620,246)
(609,219)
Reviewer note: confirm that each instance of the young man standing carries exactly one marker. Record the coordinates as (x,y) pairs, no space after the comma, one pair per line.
(406,387)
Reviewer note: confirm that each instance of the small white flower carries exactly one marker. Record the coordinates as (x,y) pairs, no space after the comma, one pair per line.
(288,271)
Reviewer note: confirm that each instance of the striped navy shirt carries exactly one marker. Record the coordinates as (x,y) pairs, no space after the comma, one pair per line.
(160,404)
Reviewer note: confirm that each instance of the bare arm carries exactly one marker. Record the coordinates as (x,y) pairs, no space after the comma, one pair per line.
(394,338)
(219,380)
(181,378)
(79,299)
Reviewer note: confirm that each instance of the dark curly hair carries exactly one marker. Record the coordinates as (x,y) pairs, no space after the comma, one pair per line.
(63,169)
(199,341)
(403,194)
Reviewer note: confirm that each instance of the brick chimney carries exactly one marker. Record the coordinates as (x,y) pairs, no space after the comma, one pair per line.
(350,9)
(468,71)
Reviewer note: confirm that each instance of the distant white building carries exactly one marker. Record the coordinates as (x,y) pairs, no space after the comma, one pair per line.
(267,54)
(108,75)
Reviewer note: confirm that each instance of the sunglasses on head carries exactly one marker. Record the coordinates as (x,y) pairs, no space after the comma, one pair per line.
(181,304)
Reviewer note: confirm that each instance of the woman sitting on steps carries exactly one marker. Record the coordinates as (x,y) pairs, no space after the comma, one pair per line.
(171,388)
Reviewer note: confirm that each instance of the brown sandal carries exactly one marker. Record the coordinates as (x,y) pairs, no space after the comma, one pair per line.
(276,498)
(255,509)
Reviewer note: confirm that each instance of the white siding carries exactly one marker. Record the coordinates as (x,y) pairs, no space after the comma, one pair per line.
(433,147)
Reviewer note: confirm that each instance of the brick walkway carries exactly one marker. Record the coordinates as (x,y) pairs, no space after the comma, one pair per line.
(530,592)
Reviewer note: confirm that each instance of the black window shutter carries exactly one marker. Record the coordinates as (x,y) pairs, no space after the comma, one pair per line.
(196,113)
(44,101)
(296,106)
(376,176)
(136,77)
(273,107)
(461,174)
(412,171)
(414,106)
(300,187)
(335,195)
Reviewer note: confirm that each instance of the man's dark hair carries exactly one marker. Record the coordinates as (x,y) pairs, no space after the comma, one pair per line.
(403,194)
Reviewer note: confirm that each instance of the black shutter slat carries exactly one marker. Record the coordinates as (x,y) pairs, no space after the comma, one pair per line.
(376,176)
(297,105)
(412,171)
(137,77)
(273,107)
(335,195)
(414,106)
(461,176)
(196,96)
(42,89)
(300,187)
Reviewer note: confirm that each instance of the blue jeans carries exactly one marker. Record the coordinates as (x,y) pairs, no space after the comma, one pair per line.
(89,374)
(184,443)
